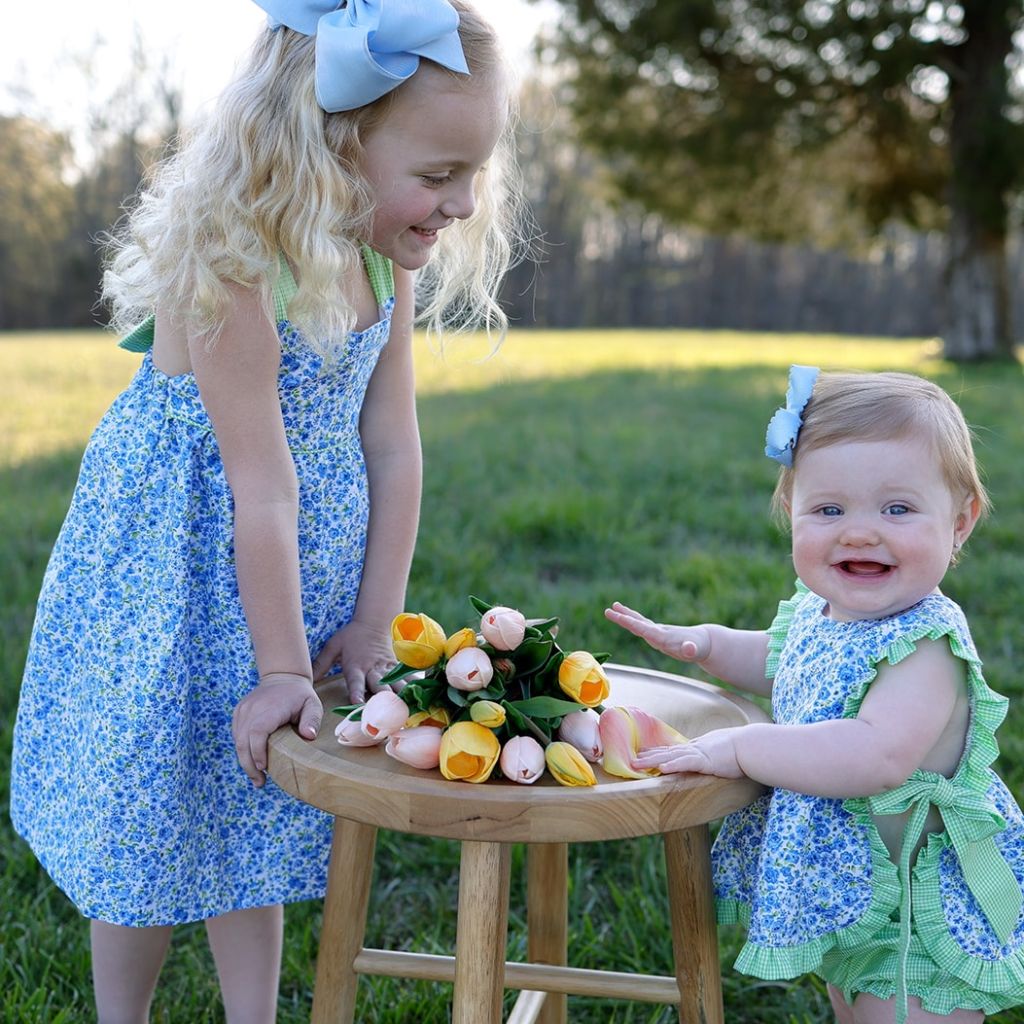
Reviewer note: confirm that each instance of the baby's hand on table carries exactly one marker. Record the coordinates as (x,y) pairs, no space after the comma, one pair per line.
(714,753)
(362,652)
(279,699)
(684,643)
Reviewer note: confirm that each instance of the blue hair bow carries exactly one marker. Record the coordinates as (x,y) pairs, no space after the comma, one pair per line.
(366,48)
(784,426)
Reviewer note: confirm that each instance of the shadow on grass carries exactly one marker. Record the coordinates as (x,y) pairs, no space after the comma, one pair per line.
(557,496)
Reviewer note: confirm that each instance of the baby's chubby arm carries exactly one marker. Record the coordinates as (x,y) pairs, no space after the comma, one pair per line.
(903,717)
(237,379)
(736,656)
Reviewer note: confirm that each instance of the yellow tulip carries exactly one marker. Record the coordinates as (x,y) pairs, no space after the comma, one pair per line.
(580,675)
(487,713)
(462,638)
(568,765)
(469,752)
(418,640)
(436,716)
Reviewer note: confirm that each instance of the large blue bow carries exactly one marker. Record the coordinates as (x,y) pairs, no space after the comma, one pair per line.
(784,426)
(366,48)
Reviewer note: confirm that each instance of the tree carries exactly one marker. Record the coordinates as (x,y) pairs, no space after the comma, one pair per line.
(723,113)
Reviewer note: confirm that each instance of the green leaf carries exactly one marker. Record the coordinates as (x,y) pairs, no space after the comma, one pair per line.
(457,697)
(546,707)
(546,626)
(481,606)
(347,709)
(531,656)
(400,671)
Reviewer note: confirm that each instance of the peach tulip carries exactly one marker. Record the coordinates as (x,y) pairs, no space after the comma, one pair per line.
(419,746)
(469,752)
(418,641)
(580,676)
(487,713)
(581,729)
(469,669)
(625,731)
(568,765)
(503,628)
(349,733)
(462,638)
(434,715)
(384,713)
(522,760)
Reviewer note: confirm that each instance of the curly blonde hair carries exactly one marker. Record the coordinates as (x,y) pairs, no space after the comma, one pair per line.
(268,172)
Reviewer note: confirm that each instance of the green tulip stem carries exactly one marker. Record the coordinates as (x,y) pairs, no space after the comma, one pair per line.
(538,734)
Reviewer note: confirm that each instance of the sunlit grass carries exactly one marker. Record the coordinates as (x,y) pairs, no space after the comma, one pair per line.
(570,469)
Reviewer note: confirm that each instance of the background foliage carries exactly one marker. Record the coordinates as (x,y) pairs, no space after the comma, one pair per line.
(572,469)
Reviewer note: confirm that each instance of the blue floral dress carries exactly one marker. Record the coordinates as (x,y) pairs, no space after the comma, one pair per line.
(125,781)
(811,877)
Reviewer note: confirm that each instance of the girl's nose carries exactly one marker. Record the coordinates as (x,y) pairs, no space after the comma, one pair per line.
(857,533)
(460,201)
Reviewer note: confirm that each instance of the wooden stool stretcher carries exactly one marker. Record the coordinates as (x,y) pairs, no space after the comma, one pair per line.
(367,790)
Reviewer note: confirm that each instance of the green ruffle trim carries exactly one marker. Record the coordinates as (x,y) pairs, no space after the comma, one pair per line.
(779,628)
(994,981)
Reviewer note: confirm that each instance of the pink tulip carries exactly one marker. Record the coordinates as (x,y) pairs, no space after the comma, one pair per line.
(469,669)
(503,628)
(522,760)
(349,733)
(419,746)
(581,729)
(384,713)
(627,730)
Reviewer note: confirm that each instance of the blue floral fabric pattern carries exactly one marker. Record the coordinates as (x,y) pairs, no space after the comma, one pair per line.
(125,781)
(811,877)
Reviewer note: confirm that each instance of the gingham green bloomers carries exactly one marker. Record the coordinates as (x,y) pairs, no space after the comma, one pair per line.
(125,781)
(811,878)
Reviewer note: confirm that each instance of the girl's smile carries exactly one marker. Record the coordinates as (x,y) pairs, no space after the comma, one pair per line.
(874,525)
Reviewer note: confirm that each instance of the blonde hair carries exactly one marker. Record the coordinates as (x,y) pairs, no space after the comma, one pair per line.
(268,172)
(885,407)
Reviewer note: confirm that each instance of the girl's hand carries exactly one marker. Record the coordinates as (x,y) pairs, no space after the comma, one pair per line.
(280,698)
(362,652)
(680,642)
(714,753)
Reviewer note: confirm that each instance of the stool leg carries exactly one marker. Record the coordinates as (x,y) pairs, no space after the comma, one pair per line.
(481,933)
(694,932)
(344,923)
(547,917)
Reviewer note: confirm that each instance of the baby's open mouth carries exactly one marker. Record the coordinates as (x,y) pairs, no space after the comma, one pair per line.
(865,568)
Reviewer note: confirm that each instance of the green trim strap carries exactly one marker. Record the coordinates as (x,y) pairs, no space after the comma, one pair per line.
(378,270)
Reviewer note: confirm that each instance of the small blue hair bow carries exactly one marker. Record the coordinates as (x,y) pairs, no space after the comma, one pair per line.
(366,48)
(784,426)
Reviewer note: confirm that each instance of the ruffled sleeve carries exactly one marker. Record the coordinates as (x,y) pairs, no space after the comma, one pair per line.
(779,629)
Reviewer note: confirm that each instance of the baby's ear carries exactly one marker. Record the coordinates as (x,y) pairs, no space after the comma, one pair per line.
(966,519)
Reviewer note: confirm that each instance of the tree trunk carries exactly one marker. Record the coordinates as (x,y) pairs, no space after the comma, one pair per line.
(977,313)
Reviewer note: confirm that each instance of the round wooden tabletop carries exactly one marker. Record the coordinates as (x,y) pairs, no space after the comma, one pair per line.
(364,784)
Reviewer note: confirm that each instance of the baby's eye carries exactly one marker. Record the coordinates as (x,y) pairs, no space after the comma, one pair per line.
(435,181)
(830,511)
(897,509)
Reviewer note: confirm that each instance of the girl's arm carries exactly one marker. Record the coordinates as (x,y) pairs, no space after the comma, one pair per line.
(391,446)
(237,381)
(905,714)
(735,656)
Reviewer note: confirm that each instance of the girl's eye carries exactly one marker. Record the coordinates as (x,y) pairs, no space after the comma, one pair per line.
(898,509)
(433,180)
(830,511)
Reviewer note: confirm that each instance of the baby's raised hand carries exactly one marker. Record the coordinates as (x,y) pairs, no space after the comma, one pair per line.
(686,643)
(714,753)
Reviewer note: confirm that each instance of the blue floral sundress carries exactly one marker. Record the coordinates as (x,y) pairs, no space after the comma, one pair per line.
(811,878)
(125,781)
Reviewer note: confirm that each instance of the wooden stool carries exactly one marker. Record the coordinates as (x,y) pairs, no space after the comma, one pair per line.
(366,790)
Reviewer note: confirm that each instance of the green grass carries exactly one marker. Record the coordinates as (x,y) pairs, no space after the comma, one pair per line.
(571,469)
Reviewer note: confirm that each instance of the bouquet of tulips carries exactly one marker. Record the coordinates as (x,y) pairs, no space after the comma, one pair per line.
(505,696)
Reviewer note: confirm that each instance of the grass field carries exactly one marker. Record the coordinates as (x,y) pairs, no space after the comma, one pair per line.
(571,469)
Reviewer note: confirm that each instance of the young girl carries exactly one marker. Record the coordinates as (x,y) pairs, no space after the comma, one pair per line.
(252,497)
(889,857)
